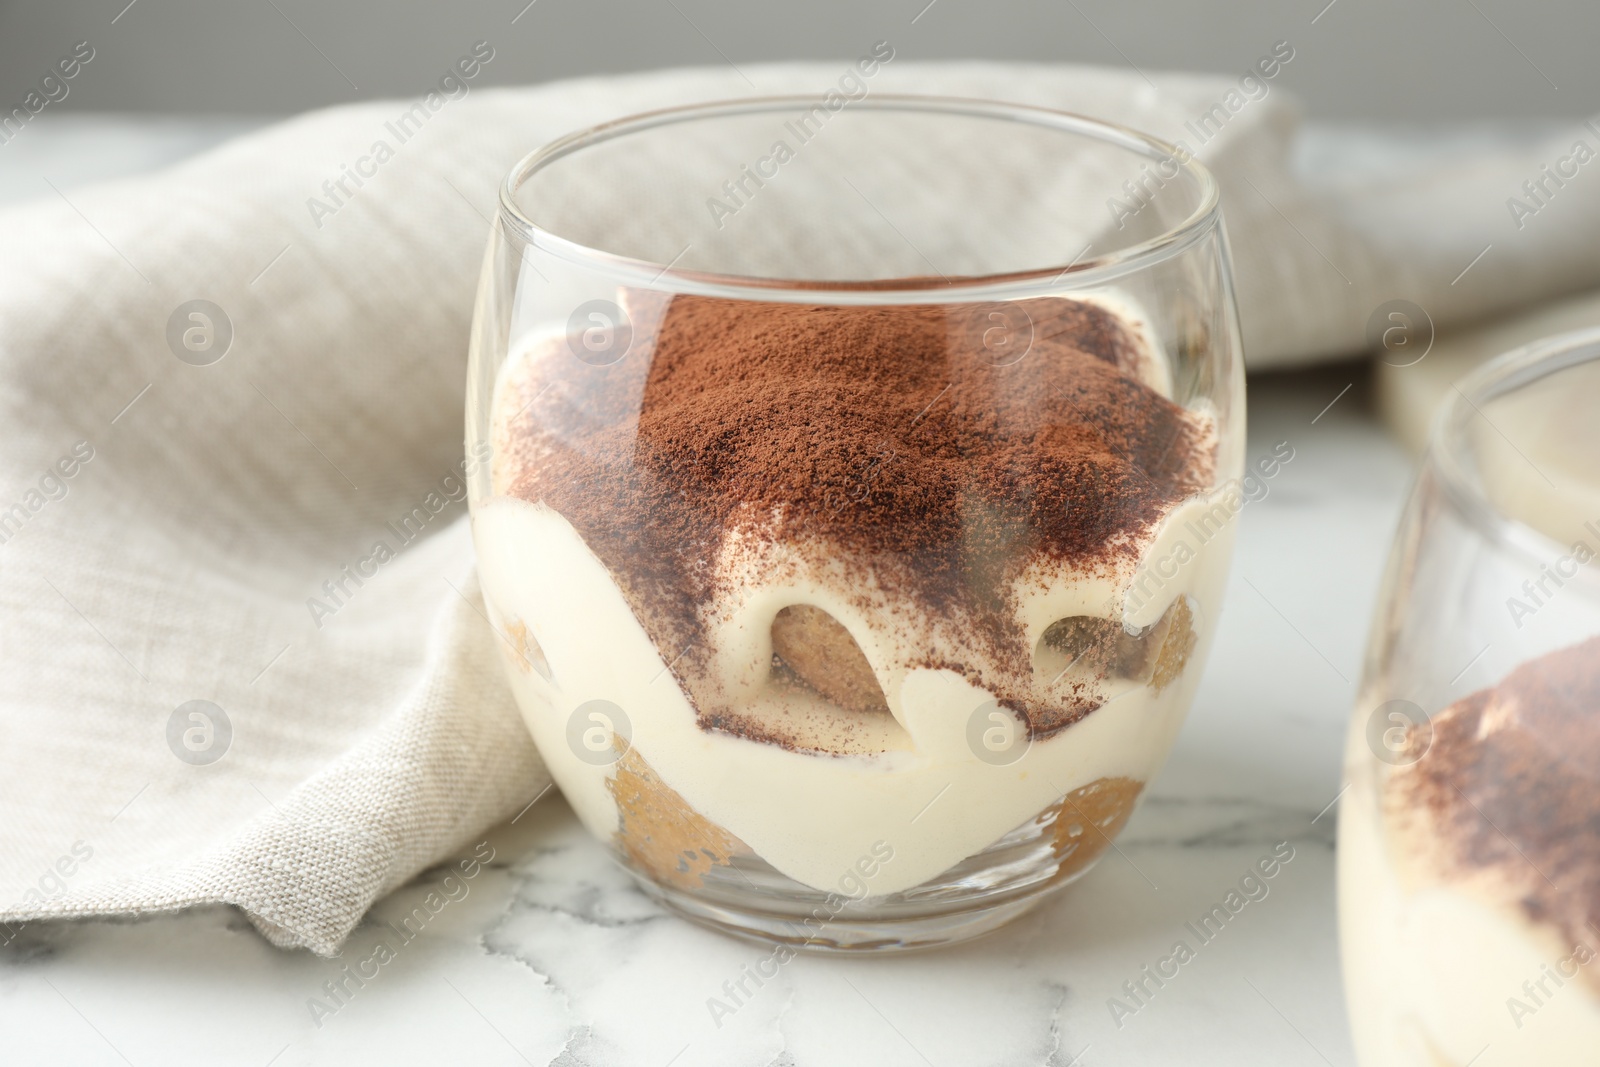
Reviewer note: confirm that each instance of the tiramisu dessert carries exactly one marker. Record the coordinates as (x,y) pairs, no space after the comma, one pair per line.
(1470,878)
(854,583)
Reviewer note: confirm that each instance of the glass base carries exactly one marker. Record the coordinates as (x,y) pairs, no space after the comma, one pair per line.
(749,899)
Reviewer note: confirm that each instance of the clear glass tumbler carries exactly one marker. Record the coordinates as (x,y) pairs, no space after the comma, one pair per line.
(859,490)
(1469,831)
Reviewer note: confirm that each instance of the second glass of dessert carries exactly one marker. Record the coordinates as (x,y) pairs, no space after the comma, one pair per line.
(860,485)
(1469,831)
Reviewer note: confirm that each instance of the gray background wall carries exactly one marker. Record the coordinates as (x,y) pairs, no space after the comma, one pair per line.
(1402,59)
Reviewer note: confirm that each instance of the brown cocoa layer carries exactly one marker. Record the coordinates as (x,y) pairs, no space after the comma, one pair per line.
(1506,796)
(936,464)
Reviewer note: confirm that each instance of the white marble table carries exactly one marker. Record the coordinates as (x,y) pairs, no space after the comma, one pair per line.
(554,958)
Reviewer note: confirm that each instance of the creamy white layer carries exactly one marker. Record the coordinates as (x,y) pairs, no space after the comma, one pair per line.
(812,816)
(1438,975)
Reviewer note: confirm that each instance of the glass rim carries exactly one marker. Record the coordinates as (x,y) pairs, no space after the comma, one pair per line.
(1084,272)
(1462,485)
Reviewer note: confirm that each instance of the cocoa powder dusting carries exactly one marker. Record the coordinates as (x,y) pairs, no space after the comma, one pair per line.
(892,433)
(1509,786)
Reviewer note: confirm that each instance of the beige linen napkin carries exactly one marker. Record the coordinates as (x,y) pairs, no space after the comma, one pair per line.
(179,723)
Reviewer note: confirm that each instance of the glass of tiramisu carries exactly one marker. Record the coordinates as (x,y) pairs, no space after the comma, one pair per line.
(1469,831)
(860,487)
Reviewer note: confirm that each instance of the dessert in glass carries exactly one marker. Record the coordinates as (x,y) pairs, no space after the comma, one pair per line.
(860,494)
(1469,831)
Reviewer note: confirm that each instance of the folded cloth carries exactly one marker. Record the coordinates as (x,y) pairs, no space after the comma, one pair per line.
(245,660)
